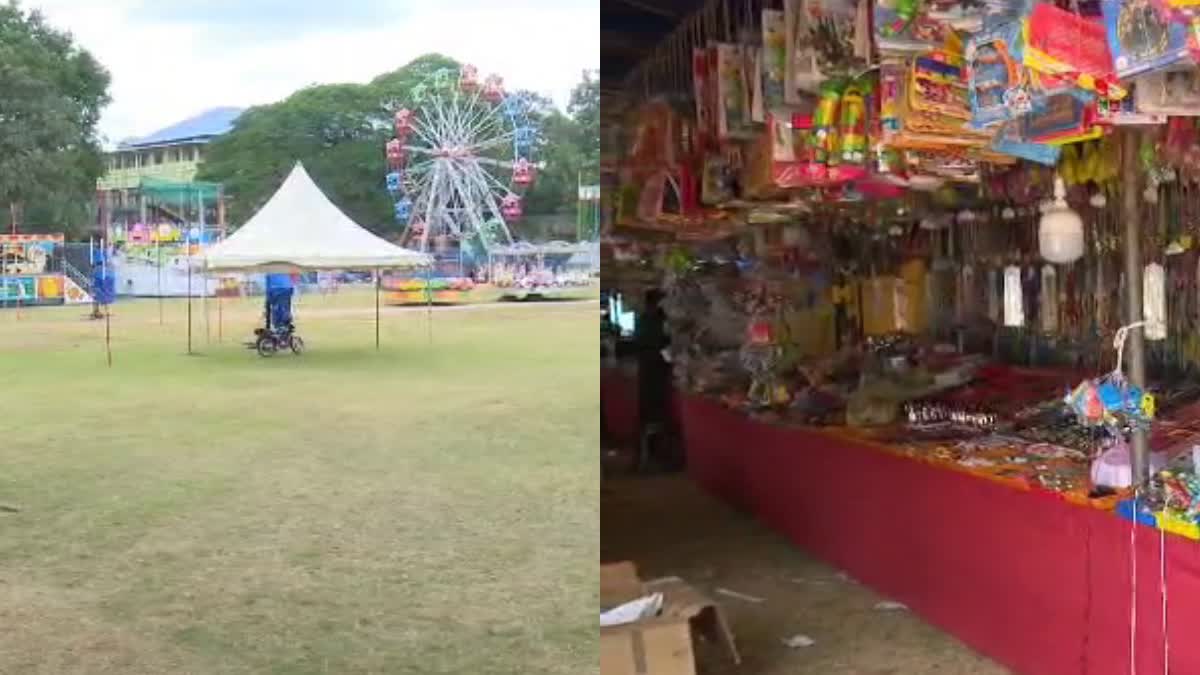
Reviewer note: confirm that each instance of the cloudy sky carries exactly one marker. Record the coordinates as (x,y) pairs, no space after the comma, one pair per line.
(171,59)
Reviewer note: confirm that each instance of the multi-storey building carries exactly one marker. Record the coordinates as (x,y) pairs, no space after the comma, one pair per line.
(173,154)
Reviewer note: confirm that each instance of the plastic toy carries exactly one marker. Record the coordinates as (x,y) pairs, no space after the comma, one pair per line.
(1142,37)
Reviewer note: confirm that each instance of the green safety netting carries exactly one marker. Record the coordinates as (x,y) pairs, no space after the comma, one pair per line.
(171,192)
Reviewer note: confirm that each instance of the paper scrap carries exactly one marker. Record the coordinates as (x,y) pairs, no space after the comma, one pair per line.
(890,606)
(797,641)
(634,610)
(739,596)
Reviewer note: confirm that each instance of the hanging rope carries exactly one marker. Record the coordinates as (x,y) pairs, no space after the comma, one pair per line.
(1119,343)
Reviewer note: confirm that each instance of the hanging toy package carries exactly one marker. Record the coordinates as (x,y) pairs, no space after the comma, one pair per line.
(803,72)
(733,100)
(1060,120)
(1154,290)
(849,162)
(1058,42)
(1011,140)
(791,150)
(823,142)
(902,27)
(996,82)
(1110,400)
(1142,37)
(774,58)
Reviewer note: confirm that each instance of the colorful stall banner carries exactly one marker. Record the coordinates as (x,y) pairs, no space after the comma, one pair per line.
(73,294)
(50,288)
(18,290)
(23,254)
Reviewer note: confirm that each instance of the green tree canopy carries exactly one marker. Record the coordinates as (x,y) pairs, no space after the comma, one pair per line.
(51,95)
(338,132)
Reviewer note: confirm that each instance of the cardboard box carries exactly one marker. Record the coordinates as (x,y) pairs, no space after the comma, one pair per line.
(661,645)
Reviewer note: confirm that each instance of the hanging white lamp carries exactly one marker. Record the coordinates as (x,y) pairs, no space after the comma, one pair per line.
(1014,298)
(1060,231)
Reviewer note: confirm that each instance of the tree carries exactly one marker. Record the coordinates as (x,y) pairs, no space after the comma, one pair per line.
(52,95)
(584,109)
(339,131)
(336,130)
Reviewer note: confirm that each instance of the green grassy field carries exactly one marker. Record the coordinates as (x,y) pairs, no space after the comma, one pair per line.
(428,508)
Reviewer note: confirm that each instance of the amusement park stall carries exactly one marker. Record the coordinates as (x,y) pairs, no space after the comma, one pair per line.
(929,273)
(34,270)
(1038,582)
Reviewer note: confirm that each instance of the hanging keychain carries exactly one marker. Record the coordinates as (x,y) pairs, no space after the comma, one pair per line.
(1049,300)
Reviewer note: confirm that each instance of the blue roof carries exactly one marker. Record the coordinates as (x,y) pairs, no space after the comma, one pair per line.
(205,125)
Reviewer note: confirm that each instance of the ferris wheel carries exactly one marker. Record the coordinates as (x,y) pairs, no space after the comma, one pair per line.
(460,161)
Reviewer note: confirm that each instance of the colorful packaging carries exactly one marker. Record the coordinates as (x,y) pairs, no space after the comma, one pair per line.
(1142,38)
(1061,119)
(1011,141)
(850,159)
(824,142)
(774,63)
(803,73)
(903,28)
(936,85)
(996,79)
(1058,42)
(733,95)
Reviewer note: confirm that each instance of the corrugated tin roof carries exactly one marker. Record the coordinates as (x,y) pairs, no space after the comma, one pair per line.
(205,125)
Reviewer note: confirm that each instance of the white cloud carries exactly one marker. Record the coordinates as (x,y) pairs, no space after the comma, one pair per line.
(168,66)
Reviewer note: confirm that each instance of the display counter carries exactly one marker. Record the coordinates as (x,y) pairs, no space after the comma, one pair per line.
(1025,576)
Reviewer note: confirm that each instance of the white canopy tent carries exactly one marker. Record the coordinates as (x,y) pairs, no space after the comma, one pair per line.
(300,229)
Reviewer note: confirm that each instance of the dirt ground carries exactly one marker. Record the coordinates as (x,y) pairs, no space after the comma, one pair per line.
(669,527)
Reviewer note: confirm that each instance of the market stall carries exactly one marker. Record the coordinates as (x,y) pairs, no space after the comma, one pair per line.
(932,282)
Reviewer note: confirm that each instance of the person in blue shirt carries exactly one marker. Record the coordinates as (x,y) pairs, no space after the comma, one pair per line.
(280,288)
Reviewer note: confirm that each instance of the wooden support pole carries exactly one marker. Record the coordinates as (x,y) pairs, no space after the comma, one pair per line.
(1135,350)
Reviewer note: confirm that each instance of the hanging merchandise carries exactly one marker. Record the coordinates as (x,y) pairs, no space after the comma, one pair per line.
(823,142)
(1175,93)
(1014,305)
(936,86)
(774,58)
(994,305)
(1048,303)
(850,157)
(733,100)
(1058,42)
(996,78)
(1010,140)
(1061,119)
(903,27)
(1154,298)
(803,73)
(1142,37)
(752,75)
(1111,400)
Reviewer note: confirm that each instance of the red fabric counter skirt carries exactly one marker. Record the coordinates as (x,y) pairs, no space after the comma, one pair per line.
(619,405)
(1039,585)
